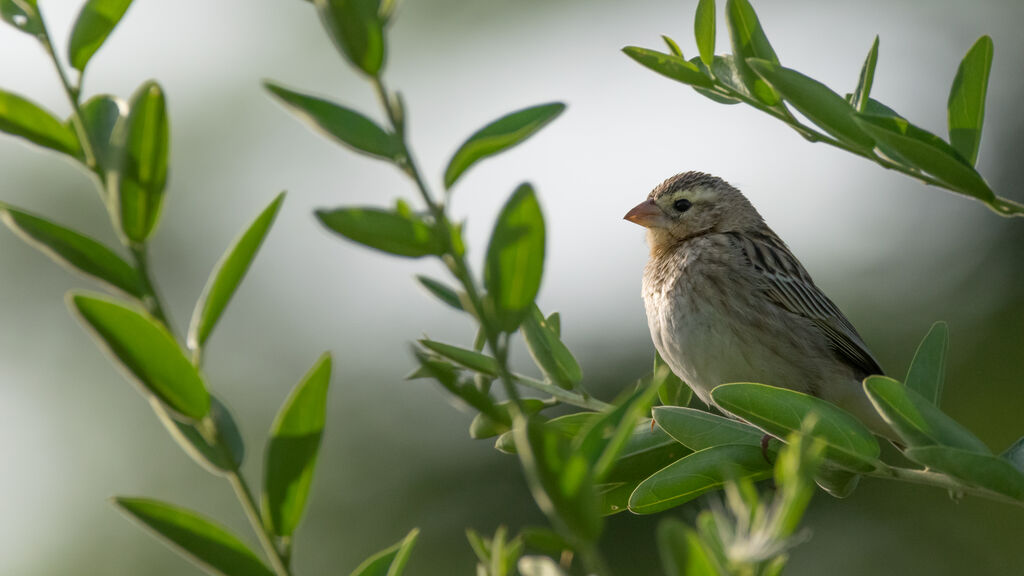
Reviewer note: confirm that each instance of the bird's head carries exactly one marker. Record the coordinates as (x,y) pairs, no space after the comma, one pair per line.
(692,204)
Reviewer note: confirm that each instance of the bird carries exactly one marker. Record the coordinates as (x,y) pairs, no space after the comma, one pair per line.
(727,301)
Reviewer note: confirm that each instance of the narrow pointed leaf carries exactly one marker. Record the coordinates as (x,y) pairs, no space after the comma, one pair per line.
(749,41)
(673,48)
(646,451)
(339,123)
(681,551)
(209,545)
(1015,455)
(442,292)
(357,30)
(927,373)
(670,66)
(100,115)
(146,351)
(25,119)
(498,136)
(862,94)
(813,99)
(603,440)
(548,352)
(515,259)
(95,22)
(704,31)
(292,450)
(917,421)
(468,358)
(208,455)
(696,474)
(967,99)
(981,470)
(781,412)
(386,230)
(697,429)
(145,146)
(76,251)
(228,274)
(23,15)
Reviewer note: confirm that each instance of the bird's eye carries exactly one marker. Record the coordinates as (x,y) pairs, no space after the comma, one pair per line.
(682,205)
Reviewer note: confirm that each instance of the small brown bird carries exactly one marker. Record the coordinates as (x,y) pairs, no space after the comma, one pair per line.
(728,302)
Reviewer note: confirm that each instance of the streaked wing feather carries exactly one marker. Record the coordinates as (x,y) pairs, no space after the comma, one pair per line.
(788,285)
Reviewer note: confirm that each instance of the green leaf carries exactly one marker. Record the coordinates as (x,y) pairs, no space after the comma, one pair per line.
(673,48)
(704,31)
(357,30)
(927,373)
(23,15)
(671,390)
(670,66)
(548,352)
(339,123)
(1015,455)
(681,551)
(602,440)
(208,544)
(385,230)
(208,454)
(498,136)
(917,421)
(292,450)
(928,153)
(100,116)
(145,146)
(967,99)
(95,22)
(442,292)
(862,94)
(146,351)
(483,426)
(646,451)
(780,412)
(467,358)
(25,119)
(697,429)
(228,274)
(816,101)
(700,472)
(836,481)
(73,250)
(749,41)
(515,259)
(981,470)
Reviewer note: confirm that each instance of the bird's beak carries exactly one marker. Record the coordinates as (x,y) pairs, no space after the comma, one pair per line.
(646,214)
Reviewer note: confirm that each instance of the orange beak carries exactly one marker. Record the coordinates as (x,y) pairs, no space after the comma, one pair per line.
(646,214)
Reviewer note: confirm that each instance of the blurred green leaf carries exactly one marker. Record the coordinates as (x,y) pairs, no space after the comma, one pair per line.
(386,230)
(339,123)
(780,412)
(23,15)
(928,153)
(548,352)
(467,358)
(602,440)
(483,426)
(700,472)
(216,457)
(967,99)
(838,482)
(704,31)
(681,551)
(228,274)
(515,259)
(95,22)
(646,451)
(144,141)
(498,136)
(670,66)
(555,323)
(100,115)
(73,250)
(673,48)
(292,449)
(1015,455)
(797,463)
(917,421)
(981,470)
(390,561)
(671,390)
(357,30)
(697,429)
(749,41)
(447,375)
(927,373)
(25,119)
(442,292)
(208,544)
(723,68)
(568,426)
(147,352)
(862,94)
(497,556)
(815,101)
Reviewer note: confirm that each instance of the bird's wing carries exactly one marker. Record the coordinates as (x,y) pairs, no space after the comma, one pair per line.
(789,286)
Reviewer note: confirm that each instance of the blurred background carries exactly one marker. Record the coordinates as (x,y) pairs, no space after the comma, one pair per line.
(894,254)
